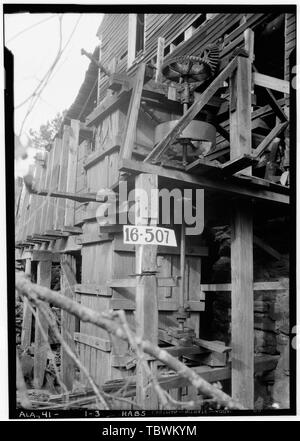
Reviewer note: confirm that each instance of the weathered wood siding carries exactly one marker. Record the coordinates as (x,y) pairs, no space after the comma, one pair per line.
(290,41)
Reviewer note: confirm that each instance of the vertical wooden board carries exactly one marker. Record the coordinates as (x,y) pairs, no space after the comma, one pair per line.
(62,181)
(242,321)
(18,216)
(72,170)
(40,344)
(194,280)
(41,202)
(87,362)
(34,202)
(112,169)
(175,259)
(27,314)
(146,290)
(164,266)
(82,359)
(68,281)
(93,361)
(46,186)
(51,210)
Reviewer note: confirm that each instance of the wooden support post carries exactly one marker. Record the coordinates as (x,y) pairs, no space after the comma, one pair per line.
(146,290)
(27,314)
(242,332)
(159,58)
(132,114)
(40,344)
(68,282)
(72,171)
(62,182)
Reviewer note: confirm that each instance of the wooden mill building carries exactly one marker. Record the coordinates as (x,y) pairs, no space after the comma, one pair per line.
(186,101)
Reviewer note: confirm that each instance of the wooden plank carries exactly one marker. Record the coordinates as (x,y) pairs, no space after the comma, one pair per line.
(27,314)
(40,219)
(68,327)
(62,181)
(146,290)
(257,286)
(159,58)
(132,114)
(49,209)
(239,187)
(44,256)
(195,108)
(276,131)
(95,342)
(40,343)
(97,156)
(271,82)
(242,321)
(162,305)
(72,171)
(237,164)
(93,289)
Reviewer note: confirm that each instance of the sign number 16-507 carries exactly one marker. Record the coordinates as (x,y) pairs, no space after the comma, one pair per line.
(140,235)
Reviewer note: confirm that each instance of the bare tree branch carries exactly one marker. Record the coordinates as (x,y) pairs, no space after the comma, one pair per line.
(104,320)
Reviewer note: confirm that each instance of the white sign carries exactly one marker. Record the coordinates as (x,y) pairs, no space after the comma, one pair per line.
(148,235)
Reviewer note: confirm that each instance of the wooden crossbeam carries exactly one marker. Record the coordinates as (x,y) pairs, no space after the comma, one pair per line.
(271,82)
(257,286)
(132,113)
(276,131)
(237,164)
(242,316)
(273,103)
(191,112)
(237,186)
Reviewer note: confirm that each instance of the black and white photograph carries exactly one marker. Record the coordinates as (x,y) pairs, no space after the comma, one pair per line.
(151,239)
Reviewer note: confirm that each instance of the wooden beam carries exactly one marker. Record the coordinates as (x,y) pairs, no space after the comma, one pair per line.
(239,186)
(40,343)
(159,58)
(161,147)
(62,181)
(257,286)
(27,314)
(276,131)
(132,114)
(242,315)
(49,209)
(146,290)
(72,170)
(271,82)
(68,282)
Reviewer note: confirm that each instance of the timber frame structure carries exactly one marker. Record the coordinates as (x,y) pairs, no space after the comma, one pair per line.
(98,147)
